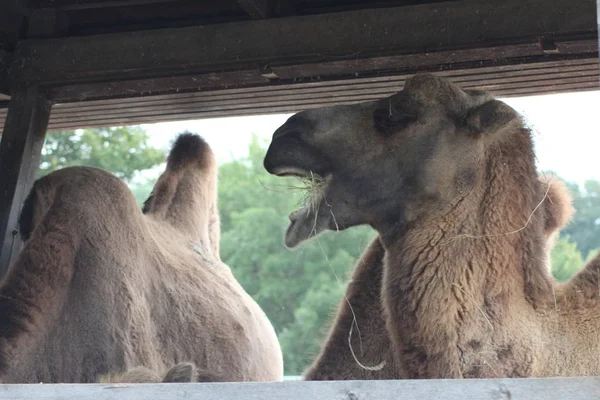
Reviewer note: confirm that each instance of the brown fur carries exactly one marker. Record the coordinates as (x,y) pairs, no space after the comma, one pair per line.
(100,287)
(447,178)
(180,373)
(370,340)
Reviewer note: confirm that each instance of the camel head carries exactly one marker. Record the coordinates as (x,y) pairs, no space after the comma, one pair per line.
(185,195)
(417,151)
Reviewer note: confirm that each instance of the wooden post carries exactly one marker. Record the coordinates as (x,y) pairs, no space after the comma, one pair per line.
(20,152)
(598,21)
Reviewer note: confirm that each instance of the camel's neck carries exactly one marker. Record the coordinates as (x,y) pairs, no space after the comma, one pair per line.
(489,245)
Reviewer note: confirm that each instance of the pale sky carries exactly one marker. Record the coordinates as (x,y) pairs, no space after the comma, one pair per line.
(563,124)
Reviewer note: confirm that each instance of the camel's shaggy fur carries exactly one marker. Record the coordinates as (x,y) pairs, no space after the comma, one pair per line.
(180,373)
(362,313)
(447,178)
(101,287)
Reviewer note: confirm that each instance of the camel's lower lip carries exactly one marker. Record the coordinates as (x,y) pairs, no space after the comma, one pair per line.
(291,171)
(294,215)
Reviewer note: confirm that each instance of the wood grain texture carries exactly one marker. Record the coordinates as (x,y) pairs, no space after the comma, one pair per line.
(20,152)
(587,388)
(501,80)
(340,36)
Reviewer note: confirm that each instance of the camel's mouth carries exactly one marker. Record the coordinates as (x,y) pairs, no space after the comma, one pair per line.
(287,171)
(314,214)
(288,156)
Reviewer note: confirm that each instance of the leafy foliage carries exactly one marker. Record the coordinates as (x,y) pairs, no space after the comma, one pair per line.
(584,229)
(122,151)
(566,258)
(299,290)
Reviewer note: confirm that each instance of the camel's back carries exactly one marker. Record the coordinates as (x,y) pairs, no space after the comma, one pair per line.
(195,301)
(91,336)
(153,305)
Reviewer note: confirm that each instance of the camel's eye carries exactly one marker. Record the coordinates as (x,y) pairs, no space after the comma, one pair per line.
(389,121)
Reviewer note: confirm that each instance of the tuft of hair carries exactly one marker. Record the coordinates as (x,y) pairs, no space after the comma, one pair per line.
(207,376)
(146,205)
(185,372)
(558,204)
(135,375)
(188,148)
(188,372)
(181,373)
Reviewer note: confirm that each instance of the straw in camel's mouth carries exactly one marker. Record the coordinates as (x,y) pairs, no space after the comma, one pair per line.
(312,214)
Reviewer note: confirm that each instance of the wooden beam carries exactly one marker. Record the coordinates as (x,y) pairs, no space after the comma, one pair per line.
(598,18)
(327,70)
(46,23)
(287,41)
(12,14)
(584,388)
(90,4)
(20,152)
(501,80)
(257,9)
(5,62)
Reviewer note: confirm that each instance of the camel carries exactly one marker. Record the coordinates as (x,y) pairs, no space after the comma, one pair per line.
(180,373)
(101,287)
(447,179)
(360,318)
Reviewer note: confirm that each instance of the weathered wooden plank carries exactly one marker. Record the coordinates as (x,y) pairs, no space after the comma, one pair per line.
(12,15)
(152,86)
(132,119)
(496,54)
(587,388)
(46,23)
(90,4)
(257,9)
(374,85)
(20,152)
(343,96)
(285,93)
(254,44)
(5,61)
(598,18)
(254,78)
(158,115)
(526,79)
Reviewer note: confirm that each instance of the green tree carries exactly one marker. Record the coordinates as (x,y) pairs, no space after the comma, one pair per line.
(299,290)
(565,258)
(124,151)
(584,229)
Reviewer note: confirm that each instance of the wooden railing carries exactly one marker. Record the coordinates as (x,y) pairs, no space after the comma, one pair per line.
(581,388)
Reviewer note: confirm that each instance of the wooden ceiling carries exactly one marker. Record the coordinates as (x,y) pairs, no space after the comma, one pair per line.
(113,62)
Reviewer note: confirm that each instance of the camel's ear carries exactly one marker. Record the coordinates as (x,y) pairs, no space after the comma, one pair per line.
(489,117)
(181,373)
